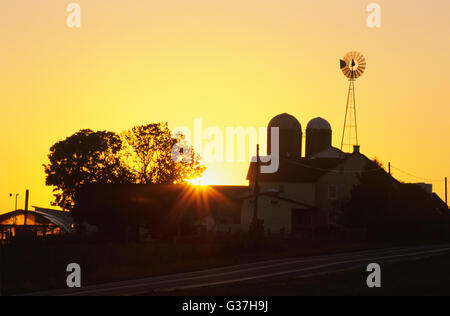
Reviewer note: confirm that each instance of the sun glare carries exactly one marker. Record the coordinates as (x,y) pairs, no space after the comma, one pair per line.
(206,179)
(197,181)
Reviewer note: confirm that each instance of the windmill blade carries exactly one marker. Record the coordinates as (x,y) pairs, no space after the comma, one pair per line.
(353,64)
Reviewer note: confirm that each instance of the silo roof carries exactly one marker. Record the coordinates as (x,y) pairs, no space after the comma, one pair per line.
(285,121)
(319,123)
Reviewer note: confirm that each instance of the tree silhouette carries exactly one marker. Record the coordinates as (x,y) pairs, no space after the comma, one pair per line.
(143,155)
(149,155)
(389,210)
(85,157)
(369,201)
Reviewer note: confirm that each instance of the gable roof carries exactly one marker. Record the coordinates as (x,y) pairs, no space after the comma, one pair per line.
(330,152)
(302,170)
(297,170)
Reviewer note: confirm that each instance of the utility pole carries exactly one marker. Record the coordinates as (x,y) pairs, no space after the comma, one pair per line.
(2,260)
(389,168)
(27,196)
(256,190)
(446,201)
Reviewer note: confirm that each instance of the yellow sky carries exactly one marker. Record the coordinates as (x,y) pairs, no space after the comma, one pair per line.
(230,63)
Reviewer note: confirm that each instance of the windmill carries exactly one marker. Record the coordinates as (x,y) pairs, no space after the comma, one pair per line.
(352,65)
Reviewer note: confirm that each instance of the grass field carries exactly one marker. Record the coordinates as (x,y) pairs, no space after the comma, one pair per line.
(425,277)
(35,267)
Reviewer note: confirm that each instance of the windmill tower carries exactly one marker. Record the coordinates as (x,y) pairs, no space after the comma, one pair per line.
(352,65)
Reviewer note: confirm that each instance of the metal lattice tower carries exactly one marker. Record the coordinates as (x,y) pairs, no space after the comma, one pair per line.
(350,132)
(353,66)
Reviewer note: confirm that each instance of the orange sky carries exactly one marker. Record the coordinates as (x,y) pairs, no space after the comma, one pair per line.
(230,63)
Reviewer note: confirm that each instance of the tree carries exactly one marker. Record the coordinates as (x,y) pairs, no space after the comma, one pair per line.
(369,200)
(149,155)
(393,211)
(85,157)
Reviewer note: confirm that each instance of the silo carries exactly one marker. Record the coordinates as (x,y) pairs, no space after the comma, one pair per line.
(290,132)
(318,136)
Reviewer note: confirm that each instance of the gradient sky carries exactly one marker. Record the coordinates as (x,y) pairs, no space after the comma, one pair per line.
(230,63)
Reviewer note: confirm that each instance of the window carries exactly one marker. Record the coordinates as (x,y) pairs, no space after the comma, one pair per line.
(332,192)
(301,219)
(332,218)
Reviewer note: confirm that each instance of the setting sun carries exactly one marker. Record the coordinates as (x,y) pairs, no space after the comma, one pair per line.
(208,178)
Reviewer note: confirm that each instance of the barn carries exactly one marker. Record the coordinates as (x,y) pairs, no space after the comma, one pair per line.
(306,192)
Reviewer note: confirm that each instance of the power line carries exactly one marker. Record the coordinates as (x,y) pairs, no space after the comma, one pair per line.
(365,171)
(336,171)
(417,177)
